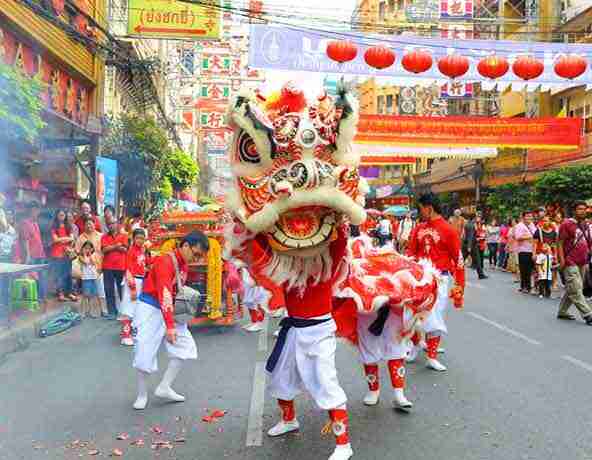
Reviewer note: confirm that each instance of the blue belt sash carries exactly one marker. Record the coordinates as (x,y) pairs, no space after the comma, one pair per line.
(146,298)
(286,324)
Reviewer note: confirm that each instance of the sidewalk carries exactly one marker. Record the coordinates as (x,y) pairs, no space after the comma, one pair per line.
(21,328)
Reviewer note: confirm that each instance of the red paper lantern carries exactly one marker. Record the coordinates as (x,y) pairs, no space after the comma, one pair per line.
(453,65)
(570,66)
(493,67)
(342,51)
(379,57)
(417,61)
(528,67)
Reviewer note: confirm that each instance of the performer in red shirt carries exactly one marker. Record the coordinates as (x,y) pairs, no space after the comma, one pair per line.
(436,240)
(137,261)
(154,319)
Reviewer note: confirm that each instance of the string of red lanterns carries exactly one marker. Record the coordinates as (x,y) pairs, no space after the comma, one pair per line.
(526,67)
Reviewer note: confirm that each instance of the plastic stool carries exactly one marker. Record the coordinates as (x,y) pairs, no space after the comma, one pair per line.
(24,294)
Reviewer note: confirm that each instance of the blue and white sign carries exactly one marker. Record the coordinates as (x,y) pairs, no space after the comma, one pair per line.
(107,183)
(302,49)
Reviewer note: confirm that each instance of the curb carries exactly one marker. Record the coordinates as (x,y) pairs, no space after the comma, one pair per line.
(20,336)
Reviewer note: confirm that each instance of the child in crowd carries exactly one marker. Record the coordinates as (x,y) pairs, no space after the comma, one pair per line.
(90,269)
(545,262)
(137,261)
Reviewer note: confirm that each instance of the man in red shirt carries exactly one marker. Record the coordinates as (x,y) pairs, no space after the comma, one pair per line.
(114,246)
(436,240)
(154,318)
(34,252)
(86,212)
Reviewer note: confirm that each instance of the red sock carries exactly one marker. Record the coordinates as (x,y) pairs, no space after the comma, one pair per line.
(397,371)
(432,346)
(254,314)
(340,426)
(261,314)
(126,329)
(288,411)
(371,371)
(416,339)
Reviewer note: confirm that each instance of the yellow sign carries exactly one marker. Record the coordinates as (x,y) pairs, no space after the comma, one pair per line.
(174,19)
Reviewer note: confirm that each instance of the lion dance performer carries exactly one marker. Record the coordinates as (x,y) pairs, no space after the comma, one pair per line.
(436,240)
(154,318)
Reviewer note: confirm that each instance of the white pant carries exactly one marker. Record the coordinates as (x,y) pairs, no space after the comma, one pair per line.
(151,333)
(386,346)
(254,297)
(101,287)
(127,307)
(307,362)
(436,322)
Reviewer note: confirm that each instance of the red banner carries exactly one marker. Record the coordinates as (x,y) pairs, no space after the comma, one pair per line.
(542,133)
(537,159)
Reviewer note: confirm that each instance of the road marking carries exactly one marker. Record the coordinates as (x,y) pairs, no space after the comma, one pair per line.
(578,363)
(504,328)
(255,422)
(262,344)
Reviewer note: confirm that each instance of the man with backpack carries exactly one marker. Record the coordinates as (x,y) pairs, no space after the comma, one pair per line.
(575,242)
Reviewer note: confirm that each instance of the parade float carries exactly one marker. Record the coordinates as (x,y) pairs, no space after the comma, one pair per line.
(179,218)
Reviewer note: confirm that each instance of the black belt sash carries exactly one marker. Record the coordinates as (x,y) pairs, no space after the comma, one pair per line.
(377,326)
(286,324)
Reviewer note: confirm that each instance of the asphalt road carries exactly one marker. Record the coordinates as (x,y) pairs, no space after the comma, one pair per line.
(518,387)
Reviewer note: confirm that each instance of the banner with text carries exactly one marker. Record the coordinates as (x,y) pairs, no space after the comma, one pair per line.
(542,133)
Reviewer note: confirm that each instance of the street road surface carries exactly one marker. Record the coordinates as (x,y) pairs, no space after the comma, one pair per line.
(518,387)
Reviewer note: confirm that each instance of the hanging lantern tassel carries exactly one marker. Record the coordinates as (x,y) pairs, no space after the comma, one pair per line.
(570,66)
(528,67)
(453,65)
(379,57)
(341,51)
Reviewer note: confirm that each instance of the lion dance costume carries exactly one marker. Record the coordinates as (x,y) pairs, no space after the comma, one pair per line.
(296,185)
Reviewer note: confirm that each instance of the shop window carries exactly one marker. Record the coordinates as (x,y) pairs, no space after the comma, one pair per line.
(205,63)
(588,125)
(389,104)
(204,91)
(226,63)
(380,103)
(204,119)
(381,11)
(226,91)
(391,4)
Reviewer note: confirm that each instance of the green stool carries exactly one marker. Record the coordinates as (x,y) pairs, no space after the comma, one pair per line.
(23,294)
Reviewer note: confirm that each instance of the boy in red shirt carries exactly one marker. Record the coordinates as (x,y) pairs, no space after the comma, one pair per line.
(114,245)
(436,240)
(137,262)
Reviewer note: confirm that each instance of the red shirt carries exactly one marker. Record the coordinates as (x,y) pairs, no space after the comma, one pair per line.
(31,236)
(576,248)
(114,260)
(438,242)
(136,262)
(58,250)
(80,224)
(160,284)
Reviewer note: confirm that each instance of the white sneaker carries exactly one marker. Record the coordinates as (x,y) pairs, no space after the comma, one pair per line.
(343,452)
(400,401)
(283,427)
(127,342)
(168,393)
(435,365)
(412,355)
(277,313)
(141,402)
(371,398)
(254,327)
(276,333)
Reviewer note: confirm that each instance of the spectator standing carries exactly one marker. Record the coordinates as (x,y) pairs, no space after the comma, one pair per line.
(574,255)
(33,250)
(548,233)
(114,247)
(524,236)
(86,212)
(90,268)
(91,234)
(458,222)
(405,228)
(544,263)
(8,239)
(481,237)
(108,216)
(471,248)
(71,221)
(493,242)
(62,250)
(502,257)
(384,231)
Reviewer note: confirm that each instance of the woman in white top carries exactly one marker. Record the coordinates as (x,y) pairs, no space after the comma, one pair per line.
(493,237)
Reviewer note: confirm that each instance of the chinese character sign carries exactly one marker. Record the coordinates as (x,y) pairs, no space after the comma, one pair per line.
(456,9)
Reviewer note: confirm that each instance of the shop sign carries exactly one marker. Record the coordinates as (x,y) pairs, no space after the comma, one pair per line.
(548,133)
(454,89)
(456,9)
(174,19)
(107,183)
(63,94)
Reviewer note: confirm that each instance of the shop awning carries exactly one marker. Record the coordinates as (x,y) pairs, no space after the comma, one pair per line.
(376,152)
